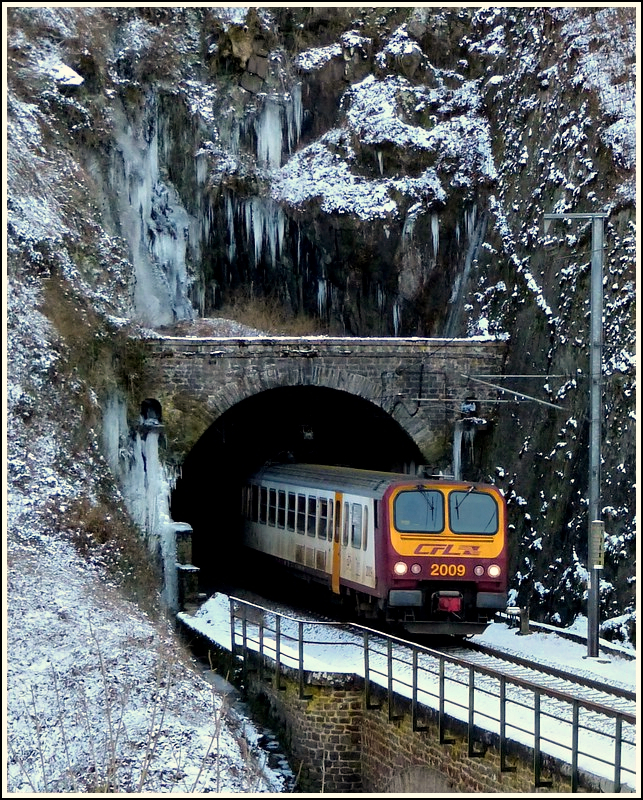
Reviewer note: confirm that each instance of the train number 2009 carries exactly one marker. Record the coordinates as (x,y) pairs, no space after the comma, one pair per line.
(450,570)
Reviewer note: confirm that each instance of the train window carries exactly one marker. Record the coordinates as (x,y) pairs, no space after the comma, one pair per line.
(419,511)
(263,504)
(281,509)
(346,525)
(324,512)
(365,528)
(290,517)
(356,526)
(338,519)
(312,516)
(301,513)
(272,507)
(376,513)
(254,502)
(473,512)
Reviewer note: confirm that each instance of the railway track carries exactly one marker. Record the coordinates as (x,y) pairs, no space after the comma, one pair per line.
(558,678)
(613,696)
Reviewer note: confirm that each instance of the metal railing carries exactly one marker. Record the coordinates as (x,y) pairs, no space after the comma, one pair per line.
(513,708)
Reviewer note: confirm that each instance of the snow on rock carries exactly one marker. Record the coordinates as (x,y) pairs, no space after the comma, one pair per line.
(325,170)
(99,698)
(316,57)
(316,172)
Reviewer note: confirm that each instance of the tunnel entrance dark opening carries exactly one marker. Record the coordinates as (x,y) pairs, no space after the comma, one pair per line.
(301,424)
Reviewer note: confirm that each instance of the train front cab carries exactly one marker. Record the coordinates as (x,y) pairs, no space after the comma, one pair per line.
(447,557)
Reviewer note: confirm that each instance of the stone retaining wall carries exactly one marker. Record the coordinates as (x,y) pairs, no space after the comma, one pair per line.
(344,747)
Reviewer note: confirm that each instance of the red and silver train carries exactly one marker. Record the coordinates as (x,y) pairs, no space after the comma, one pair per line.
(430,555)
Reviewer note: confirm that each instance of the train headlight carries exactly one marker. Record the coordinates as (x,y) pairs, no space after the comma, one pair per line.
(478,571)
(494,571)
(416,569)
(400,568)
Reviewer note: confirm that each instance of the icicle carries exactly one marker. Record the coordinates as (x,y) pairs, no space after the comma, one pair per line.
(455,290)
(201,169)
(265,222)
(254,225)
(470,220)
(407,229)
(146,484)
(272,234)
(435,234)
(469,436)
(294,117)
(397,318)
(321,297)
(457,450)
(232,243)
(380,161)
(269,135)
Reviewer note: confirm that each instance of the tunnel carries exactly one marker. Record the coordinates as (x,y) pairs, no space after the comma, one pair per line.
(302,424)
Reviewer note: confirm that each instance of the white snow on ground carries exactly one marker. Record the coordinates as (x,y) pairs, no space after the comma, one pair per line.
(99,696)
(83,713)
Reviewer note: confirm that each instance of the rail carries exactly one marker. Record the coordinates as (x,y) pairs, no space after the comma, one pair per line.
(578,732)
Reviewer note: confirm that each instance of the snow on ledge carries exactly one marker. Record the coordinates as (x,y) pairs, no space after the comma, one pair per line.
(346,340)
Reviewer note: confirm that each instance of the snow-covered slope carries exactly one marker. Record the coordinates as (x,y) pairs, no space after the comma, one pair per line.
(383,172)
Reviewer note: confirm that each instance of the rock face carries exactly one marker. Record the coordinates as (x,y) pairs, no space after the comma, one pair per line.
(370,171)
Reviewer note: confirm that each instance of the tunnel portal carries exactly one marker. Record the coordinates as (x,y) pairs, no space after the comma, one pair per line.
(303,424)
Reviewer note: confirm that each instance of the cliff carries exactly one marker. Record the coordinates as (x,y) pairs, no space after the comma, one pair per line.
(352,171)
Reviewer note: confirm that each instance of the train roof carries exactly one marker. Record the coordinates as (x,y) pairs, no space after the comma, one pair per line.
(370,483)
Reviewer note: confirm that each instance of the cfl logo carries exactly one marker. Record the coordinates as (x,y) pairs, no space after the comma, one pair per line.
(447,550)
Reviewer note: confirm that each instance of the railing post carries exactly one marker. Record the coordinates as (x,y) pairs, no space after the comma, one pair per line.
(367,673)
(441,725)
(575,746)
(538,782)
(389,661)
(302,694)
(232,618)
(618,740)
(414,701)
(503,727)
(261,649)
(277,653)
(471,727)
(244,645)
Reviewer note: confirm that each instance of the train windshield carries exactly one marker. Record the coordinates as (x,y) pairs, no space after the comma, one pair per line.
(419,511)
(473,512)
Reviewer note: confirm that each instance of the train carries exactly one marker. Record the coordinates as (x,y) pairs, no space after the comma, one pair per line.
(428,555)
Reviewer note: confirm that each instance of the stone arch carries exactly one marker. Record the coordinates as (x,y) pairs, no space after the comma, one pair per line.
(151,410)
(297,375)
(315,375)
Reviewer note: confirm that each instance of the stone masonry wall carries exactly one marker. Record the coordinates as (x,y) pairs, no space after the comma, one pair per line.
(404,377)
(397,759)
(323,732)
(345,747)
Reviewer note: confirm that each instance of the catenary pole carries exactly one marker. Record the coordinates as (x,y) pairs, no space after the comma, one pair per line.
(595,533)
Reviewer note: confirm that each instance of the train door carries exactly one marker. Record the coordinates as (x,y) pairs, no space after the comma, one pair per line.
(352,541)
(358,551)
(336,550)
